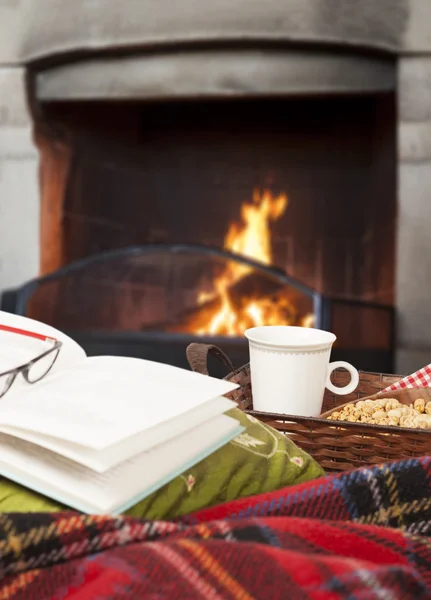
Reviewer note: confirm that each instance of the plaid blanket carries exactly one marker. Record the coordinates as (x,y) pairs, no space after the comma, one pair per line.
(360,535)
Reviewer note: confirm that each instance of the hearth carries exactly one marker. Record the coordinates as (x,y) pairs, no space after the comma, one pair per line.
(301,188)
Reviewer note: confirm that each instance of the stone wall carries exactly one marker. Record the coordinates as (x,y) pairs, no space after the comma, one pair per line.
(414,212)
(19,193)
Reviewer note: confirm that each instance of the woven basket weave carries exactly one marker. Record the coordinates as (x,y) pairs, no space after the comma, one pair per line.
(335,448)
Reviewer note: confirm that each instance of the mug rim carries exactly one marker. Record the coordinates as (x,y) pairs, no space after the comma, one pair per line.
(323,339)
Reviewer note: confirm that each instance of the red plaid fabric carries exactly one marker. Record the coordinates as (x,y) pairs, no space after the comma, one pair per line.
(421,378)
(363,535)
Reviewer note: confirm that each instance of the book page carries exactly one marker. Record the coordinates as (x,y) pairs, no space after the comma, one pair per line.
(118,488)
(16,349)
(107,399)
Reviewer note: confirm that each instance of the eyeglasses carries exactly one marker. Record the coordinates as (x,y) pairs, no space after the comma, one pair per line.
(34,370)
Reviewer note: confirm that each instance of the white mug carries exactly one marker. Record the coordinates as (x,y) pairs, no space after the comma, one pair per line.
(290,369)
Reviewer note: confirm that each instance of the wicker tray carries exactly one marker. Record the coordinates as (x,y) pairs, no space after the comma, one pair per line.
(335,448)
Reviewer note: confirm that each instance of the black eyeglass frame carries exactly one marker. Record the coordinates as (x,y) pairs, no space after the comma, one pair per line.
(25,368)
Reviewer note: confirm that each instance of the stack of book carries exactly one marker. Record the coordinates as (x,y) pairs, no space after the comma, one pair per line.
(99,434)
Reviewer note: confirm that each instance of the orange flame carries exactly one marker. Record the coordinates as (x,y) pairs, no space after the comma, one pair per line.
(250,238)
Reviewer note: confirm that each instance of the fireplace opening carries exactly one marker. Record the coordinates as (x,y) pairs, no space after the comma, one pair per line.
(303,186)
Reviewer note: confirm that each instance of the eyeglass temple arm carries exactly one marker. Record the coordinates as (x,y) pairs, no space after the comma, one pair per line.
(31,334)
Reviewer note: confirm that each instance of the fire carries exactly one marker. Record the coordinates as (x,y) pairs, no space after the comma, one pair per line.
(250,238)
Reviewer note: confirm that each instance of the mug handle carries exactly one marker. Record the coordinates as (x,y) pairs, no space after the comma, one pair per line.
(351,386)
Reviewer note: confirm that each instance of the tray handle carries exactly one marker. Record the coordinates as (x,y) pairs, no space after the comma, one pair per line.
(197,355)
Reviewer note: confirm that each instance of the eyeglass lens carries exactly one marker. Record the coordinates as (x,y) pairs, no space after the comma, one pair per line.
(41,367)
(5,382)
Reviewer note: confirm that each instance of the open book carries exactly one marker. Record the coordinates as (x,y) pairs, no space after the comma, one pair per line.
(98,434)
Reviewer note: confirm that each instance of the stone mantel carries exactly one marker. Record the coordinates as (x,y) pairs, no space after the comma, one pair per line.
(58,28)
(110,49)
(207,74)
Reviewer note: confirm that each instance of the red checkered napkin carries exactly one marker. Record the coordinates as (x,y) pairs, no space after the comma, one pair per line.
(420,379)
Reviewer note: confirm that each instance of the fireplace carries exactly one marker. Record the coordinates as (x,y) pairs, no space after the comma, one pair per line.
(203,171)
(301,187)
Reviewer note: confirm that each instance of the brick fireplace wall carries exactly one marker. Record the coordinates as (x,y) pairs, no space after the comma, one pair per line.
(409,40)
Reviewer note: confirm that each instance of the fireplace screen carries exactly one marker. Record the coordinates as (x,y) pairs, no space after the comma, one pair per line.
(175,289)
(152,301)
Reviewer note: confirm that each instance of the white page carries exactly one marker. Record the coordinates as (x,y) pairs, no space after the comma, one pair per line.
(107,399)
(16,349)
(102,460)
(121,487)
